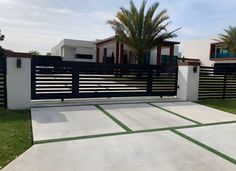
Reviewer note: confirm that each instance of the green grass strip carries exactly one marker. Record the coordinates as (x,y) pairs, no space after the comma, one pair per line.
(114,119)
(126,133)
(205,147)
(176,114)
(78,138)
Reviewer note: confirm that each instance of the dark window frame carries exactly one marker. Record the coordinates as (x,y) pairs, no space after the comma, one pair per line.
(83,56)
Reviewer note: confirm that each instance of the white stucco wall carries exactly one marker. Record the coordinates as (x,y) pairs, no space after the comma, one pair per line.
(69,53)
(18,83)
(188,82)
(199,49)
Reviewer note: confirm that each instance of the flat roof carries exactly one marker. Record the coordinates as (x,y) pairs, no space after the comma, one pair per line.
(113,38)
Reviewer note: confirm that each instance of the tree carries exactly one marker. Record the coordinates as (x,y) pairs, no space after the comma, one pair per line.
(34,53)
(1,49)
(229,38)
(142,29)
(1,36)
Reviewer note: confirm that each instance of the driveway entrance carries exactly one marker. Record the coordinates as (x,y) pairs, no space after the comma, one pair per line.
(170,136)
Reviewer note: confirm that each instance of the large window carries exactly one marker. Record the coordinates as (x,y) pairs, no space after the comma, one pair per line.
(83,56)
(220,51)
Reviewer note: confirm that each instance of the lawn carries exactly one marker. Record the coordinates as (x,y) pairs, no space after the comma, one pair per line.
(225,105)
(15,134)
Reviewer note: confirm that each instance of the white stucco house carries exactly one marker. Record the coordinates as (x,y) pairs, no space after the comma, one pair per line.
(75,50)
(110,50)
(210,52)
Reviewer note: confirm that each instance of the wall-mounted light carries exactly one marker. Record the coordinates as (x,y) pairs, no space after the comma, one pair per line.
(18,63)
(195,69)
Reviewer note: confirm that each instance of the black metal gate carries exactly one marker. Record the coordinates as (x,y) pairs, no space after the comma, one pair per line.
(65,80)
(3,89)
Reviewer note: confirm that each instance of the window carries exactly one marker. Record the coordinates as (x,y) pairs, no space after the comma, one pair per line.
(83,56)
(147,57)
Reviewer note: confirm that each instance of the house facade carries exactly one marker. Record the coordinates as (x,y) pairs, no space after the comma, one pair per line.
(110,50)
(209,51)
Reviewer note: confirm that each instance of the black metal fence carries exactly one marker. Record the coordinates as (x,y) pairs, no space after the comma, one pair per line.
(64,79)
(3,90)
(217,83)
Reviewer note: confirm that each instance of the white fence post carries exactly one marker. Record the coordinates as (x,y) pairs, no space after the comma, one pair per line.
(188,81)
(18,81)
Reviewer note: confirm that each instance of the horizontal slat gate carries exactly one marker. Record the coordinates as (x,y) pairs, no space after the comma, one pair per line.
(3,96)
(217,83)
(61,80)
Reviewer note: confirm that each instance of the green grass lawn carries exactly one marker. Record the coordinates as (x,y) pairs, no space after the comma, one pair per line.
(225,105)
(15,134)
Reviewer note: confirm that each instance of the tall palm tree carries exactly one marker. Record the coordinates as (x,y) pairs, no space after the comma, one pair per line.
(142,29)
(229,38)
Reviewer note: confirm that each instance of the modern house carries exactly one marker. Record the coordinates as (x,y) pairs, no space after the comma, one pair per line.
(75,50)
(110,50)
(209,51)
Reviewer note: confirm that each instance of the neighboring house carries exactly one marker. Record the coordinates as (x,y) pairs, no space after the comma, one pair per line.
(209,51)
(110,50)
(75,50)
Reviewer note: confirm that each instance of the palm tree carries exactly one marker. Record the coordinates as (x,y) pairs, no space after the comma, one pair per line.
(34,53)
(229,38)
(141,30)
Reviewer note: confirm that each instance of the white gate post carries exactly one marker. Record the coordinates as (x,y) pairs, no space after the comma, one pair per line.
(18,80)
(188,81)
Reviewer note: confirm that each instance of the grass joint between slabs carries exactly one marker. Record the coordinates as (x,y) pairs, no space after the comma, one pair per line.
(196,122)
(114,119)
(204,146)
(128,132)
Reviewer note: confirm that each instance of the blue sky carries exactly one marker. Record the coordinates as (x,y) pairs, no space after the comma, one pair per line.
(40,24)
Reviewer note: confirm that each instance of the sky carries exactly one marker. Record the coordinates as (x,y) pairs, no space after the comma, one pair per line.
(40,24)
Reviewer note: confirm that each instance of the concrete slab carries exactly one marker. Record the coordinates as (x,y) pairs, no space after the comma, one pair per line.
(144,116)
(64,122)
(198,112)
(164,151)
(220,137)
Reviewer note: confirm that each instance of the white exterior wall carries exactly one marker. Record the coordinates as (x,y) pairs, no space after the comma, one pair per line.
(199,49)
(18,83)
(188,83)
(68,53)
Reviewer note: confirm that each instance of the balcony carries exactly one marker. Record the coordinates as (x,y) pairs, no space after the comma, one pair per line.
(222,56)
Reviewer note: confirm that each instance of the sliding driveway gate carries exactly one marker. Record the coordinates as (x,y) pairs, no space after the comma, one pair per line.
(65,80)
(217,83)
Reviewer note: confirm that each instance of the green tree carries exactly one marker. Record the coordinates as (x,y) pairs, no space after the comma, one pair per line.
(142,29)
(34,53)
(229,38)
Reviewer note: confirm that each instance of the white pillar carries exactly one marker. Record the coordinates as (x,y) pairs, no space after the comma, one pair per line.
(188,81)
(18,83)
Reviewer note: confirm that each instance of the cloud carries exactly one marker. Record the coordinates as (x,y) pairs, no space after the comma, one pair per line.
(40,24)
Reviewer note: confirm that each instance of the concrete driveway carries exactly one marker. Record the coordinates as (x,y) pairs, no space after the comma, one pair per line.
(170,136)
